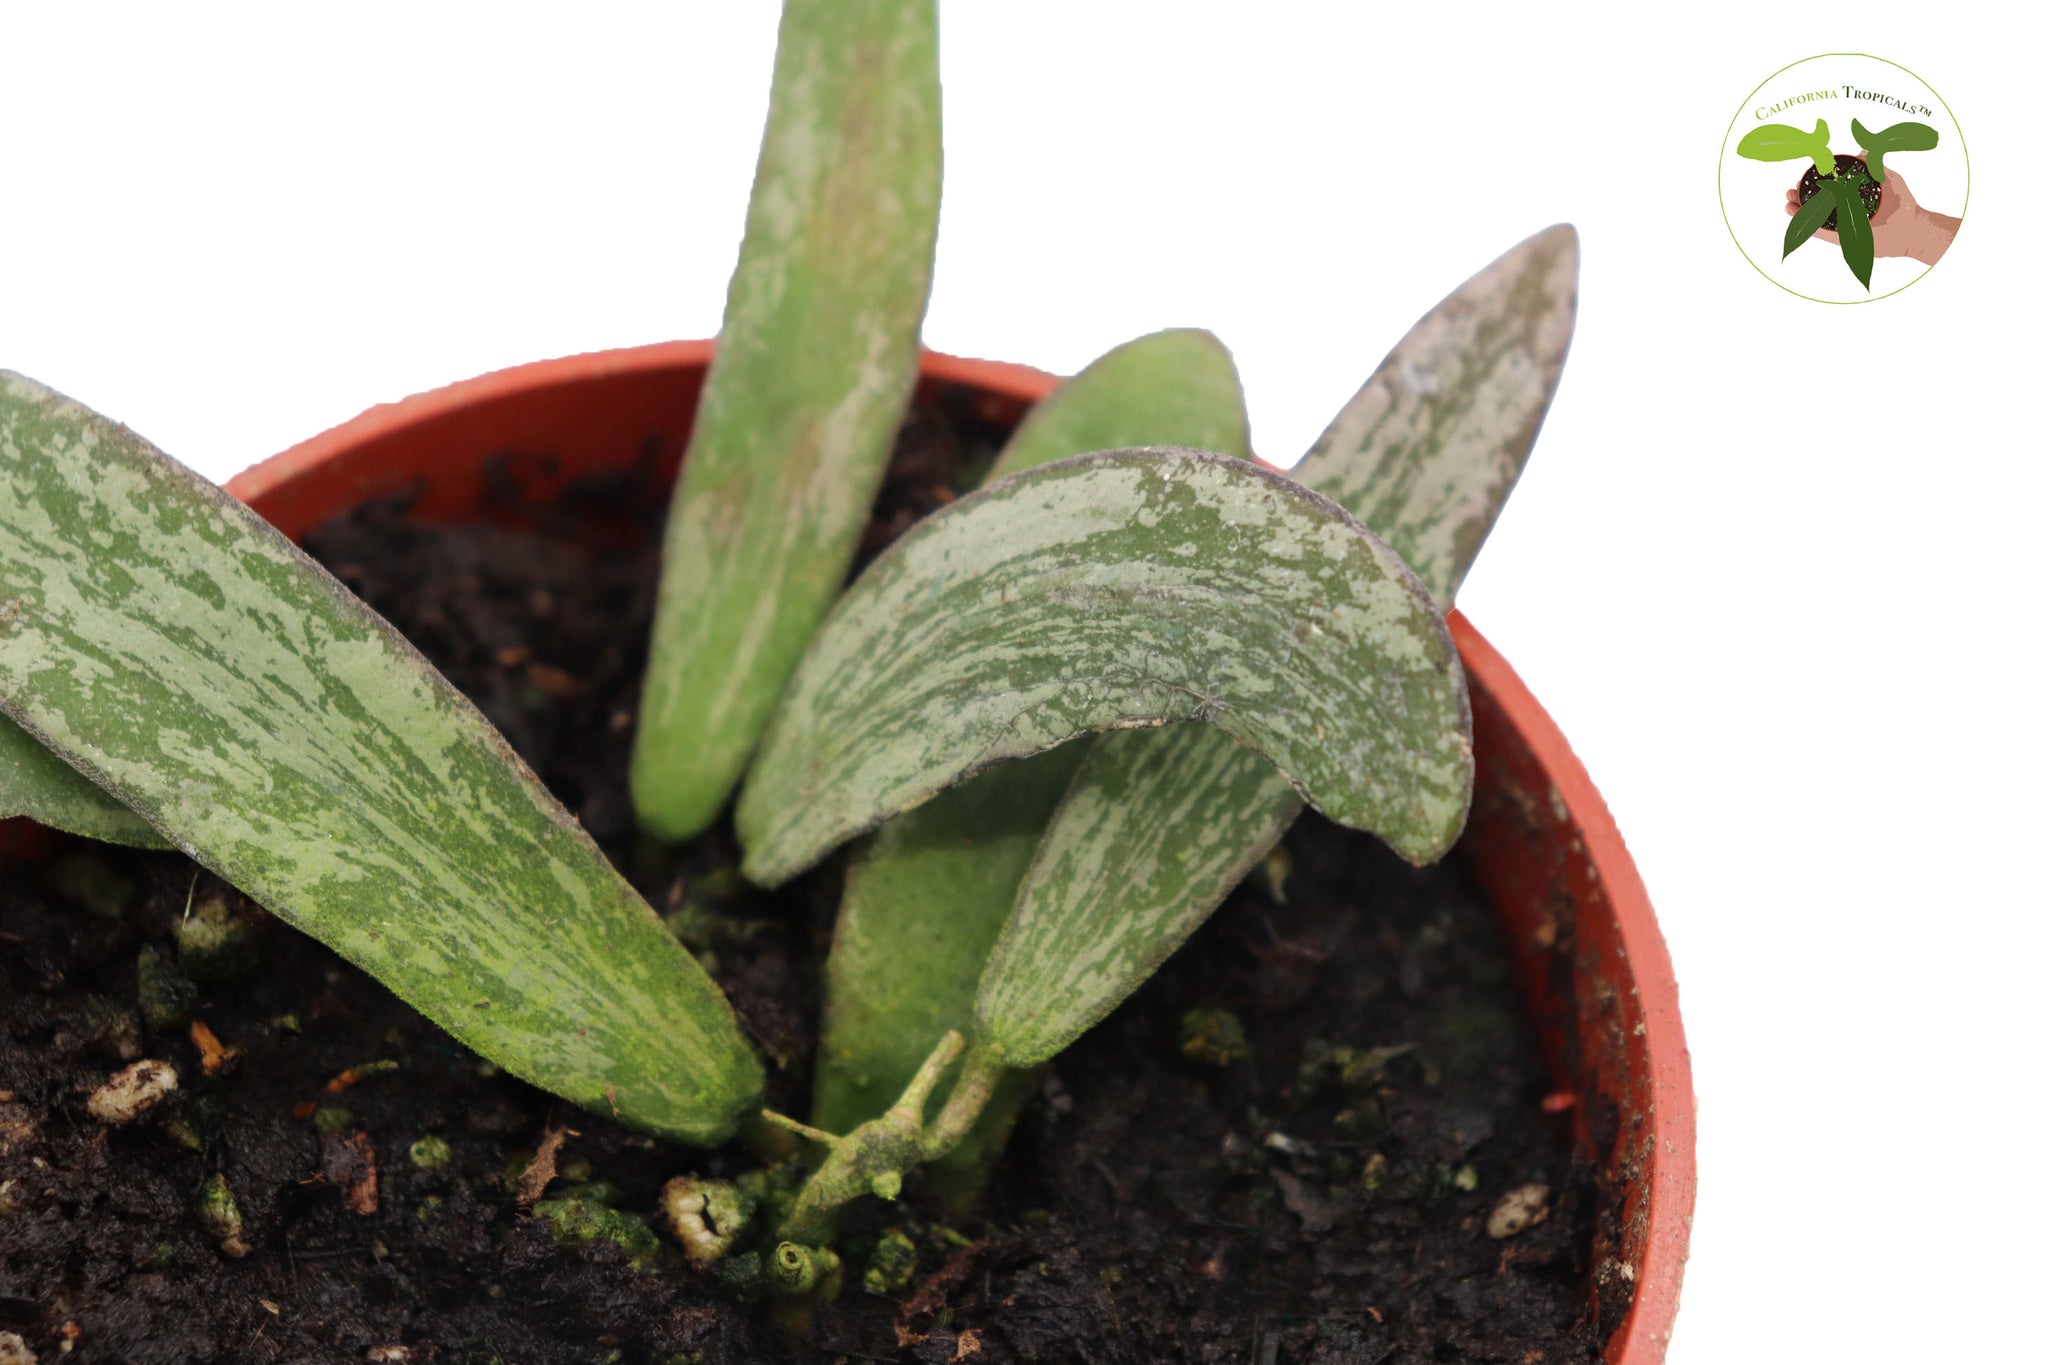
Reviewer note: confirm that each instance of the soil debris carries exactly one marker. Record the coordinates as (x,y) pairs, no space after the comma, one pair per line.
(350,1163)
(220,1214)
(133,1091)
(357,1073)
(213,1055)
(541,1170)
(1518,1210)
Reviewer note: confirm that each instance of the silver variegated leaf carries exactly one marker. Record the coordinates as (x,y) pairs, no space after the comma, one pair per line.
(1120,590)
(1428,450)
(36,783)
(1151,822)
(1157,829)
(161,637)
(943,876)
(814,367)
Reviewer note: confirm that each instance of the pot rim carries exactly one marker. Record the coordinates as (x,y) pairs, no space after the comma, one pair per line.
(1669,1152)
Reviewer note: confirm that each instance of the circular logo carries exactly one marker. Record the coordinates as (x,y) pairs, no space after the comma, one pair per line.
(1844,178)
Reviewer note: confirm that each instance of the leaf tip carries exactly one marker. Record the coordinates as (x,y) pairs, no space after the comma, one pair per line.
(1560,236)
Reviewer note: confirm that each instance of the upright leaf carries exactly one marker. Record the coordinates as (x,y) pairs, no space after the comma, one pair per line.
(1900,137)
(1428,450)
(1852,228)
(36,783)
(1782,142)
(1113,591)
(161,637)
(1158,828)
(814,368)
(943,876)
(1177,387)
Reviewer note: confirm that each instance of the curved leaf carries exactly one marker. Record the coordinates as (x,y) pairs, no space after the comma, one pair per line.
(1852,228)
(1113,591)
(161,637)
(1781,142)
(1900,137)
(36,783)
(943,876)
(814,368)
(1157,828)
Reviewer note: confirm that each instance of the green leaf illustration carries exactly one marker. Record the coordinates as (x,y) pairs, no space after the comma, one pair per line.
(814,367)
(1810,216)
(1852,227)
(36,783)
(1782,142)
(162,638)
(943,876)
(1900,137)
(1159,826)
(1111,591)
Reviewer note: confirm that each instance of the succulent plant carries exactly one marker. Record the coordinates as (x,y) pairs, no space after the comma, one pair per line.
(1060,718)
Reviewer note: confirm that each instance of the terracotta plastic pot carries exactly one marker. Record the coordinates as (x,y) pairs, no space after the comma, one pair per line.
(1584,940)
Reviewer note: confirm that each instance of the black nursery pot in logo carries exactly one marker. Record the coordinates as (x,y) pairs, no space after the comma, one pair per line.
(1814,178)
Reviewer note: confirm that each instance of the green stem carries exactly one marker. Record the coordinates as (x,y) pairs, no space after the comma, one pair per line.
(873,1157)
(802,1130)
(971,1092)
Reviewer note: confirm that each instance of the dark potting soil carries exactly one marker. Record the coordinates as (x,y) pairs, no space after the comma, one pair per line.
(1321,1192)
(1869,191)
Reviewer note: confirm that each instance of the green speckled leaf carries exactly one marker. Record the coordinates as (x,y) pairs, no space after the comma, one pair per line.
(924,901)
(1112,591)
(163,638)
(814,368)
(943,876)
(1152,825)
(1157,828)
(36,783)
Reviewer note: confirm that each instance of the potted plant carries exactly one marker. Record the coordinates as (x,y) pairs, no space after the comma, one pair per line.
(382,816)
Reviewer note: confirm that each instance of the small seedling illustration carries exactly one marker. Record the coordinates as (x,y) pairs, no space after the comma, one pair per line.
(1838,194)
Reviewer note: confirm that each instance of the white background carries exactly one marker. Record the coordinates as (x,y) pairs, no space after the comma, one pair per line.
(1772,567)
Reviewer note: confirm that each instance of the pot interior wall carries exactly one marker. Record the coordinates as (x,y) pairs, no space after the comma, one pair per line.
(1593,969)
